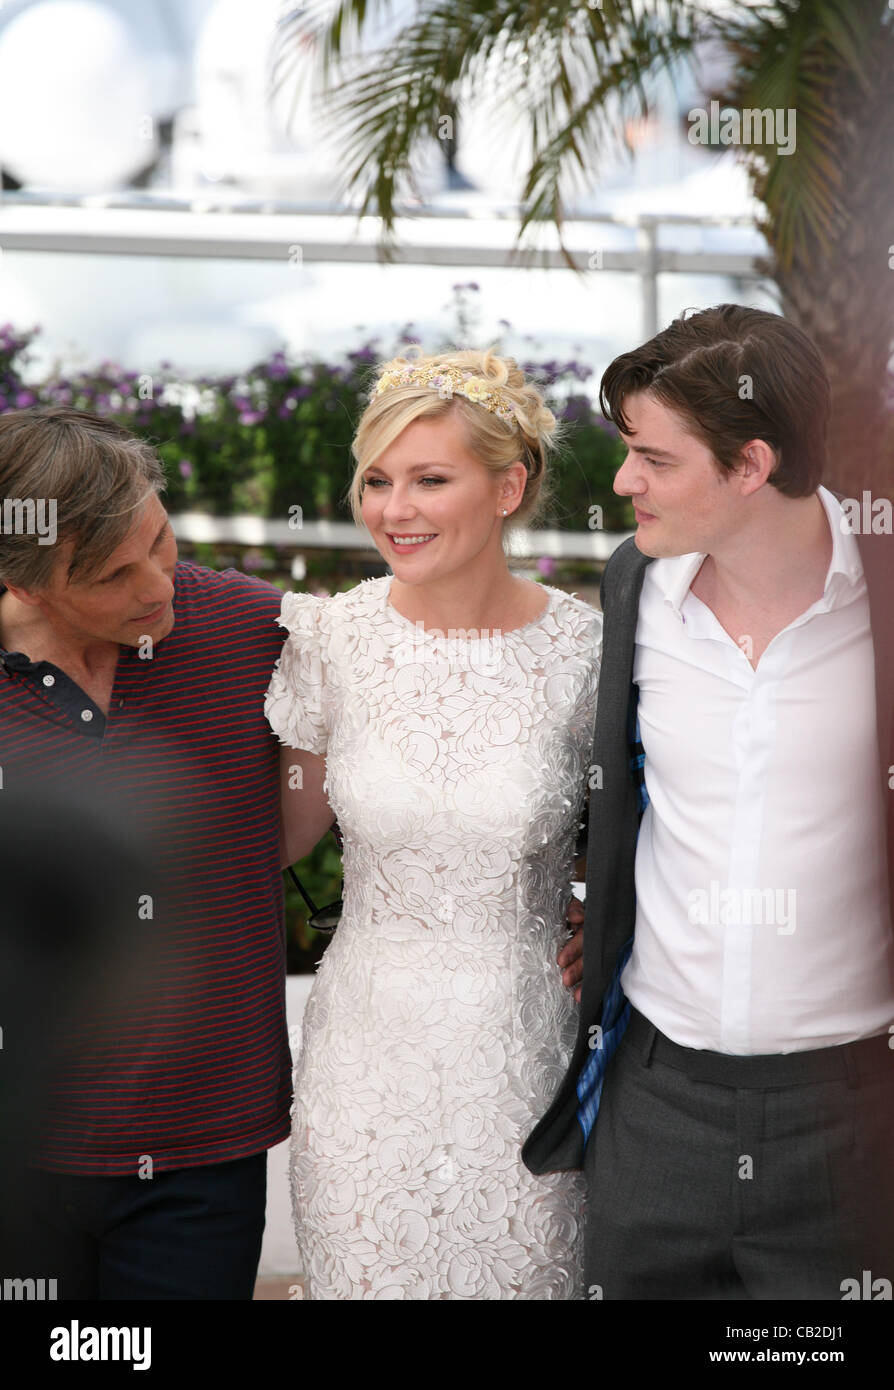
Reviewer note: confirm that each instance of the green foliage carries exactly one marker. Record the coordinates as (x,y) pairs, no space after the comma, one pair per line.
(14,356)
(320,874)
(584,470)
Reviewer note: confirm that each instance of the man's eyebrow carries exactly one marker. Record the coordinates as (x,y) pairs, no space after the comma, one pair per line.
(648,449)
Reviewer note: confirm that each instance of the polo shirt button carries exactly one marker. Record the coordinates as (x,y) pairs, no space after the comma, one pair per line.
(49,680)
(86,715)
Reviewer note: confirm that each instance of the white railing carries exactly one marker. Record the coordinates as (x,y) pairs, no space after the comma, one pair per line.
(201,528)
(154,224)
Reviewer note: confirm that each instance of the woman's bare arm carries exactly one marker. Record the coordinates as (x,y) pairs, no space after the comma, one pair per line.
(305,813)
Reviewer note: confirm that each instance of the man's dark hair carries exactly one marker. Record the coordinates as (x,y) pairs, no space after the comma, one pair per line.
(734,374)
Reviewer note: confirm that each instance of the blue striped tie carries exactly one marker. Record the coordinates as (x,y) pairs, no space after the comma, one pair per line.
(615,1017)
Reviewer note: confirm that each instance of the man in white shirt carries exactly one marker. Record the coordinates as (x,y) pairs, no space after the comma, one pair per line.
(745,1129)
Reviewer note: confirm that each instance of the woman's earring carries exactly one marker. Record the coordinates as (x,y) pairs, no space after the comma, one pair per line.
(504,511)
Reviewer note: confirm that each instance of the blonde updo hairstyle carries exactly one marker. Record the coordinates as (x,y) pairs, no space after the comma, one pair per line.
(496,442)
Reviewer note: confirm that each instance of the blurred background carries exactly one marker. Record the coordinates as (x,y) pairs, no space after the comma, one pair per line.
(167,107)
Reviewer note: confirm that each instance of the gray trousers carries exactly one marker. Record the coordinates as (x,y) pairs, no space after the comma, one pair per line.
(720,1177)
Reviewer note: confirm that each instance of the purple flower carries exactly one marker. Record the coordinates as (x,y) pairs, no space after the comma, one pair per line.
(185,468)
(251,417)
(546,565)
(277,367)
(24,399)
(284,412)
(252,559)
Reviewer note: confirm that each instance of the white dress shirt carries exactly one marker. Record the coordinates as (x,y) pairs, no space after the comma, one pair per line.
(761,878)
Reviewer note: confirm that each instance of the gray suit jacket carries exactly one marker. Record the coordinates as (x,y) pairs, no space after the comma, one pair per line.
(610,909)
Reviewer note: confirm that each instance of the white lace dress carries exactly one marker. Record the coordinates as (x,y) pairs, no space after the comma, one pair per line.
(438,1028)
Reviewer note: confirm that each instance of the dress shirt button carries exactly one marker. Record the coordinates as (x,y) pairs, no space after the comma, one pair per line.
(49,680)
(86,715)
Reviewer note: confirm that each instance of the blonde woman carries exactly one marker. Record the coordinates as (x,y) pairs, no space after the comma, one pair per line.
(452,703)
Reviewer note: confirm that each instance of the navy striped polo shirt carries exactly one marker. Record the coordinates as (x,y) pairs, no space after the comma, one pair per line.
(193,1068)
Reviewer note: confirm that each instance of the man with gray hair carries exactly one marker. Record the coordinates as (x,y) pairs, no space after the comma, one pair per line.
(138,682)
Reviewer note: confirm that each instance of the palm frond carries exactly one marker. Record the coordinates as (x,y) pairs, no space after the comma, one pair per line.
(804,59)
(579,127)
(566,71)
(552,64)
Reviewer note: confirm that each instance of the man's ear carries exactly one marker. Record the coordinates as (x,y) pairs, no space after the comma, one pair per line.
(23,595)
(758,460)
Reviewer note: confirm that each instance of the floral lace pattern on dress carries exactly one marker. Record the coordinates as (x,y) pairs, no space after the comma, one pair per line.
(438,1028)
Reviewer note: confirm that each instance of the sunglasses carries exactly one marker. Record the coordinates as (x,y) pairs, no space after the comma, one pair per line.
(324,919)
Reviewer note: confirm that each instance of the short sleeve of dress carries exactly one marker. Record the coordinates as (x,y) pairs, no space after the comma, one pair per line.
(296,704)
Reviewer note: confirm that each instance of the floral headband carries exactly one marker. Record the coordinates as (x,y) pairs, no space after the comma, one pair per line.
(448,382)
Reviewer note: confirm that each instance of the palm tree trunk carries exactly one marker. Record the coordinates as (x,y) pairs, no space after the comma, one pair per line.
(843,295)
